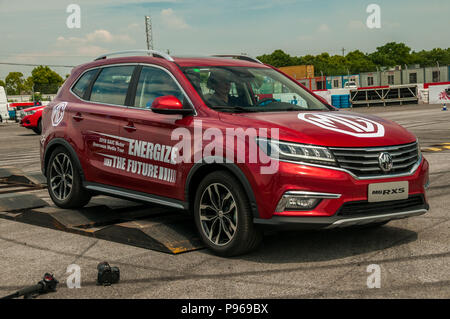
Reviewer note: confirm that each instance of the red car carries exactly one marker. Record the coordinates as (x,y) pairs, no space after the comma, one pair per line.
(237,143)
(32,118)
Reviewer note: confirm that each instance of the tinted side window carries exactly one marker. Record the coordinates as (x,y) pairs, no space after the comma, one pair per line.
(83,83)
(154,83)
(112,84)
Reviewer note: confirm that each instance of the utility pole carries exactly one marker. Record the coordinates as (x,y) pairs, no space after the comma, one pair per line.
(149,32)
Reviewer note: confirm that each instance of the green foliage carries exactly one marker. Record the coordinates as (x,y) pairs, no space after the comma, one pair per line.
(46,80)
(37,97)
(392,54)
(2,83)
(14,83)
(388,55)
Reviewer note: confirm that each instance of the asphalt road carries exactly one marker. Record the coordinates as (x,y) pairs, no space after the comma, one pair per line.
(413,254)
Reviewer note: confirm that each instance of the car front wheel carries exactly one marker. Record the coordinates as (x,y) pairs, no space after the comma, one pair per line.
(223,216)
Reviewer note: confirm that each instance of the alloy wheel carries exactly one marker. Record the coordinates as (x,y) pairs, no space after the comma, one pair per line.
(218,214)
(61,176)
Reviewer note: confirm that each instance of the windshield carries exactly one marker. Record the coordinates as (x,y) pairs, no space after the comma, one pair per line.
(241,89)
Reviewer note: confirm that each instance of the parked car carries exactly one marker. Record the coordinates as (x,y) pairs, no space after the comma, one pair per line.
(15,109)
(237,143)
(350,85)
(4,114)
(31,118)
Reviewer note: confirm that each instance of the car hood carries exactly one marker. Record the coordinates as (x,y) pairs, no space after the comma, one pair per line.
(326,128)
(34,108)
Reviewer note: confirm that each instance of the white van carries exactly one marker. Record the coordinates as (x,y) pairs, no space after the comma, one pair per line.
(4,114)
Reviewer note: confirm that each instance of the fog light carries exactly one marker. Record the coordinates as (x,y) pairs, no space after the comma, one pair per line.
(301,203)
(292,202)
(302,200)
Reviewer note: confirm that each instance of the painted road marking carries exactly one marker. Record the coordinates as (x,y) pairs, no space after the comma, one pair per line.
(437,148)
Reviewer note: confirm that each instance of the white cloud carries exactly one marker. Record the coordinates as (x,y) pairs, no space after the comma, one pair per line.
(323,28)
(172,21)
(98,36)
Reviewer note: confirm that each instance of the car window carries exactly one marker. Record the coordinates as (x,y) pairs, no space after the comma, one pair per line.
(153,83)
(232,89)
(82,84)
(112,84)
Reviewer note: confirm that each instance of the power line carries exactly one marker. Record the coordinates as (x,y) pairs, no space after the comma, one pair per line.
(29,64)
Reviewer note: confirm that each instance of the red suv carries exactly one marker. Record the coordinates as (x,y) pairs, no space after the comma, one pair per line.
(234,141)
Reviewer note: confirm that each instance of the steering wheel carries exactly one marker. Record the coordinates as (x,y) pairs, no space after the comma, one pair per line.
(266,100)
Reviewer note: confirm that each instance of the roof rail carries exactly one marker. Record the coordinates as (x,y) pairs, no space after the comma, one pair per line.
(238,56)
(153,53)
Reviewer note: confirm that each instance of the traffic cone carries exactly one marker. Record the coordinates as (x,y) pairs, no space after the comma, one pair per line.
(444,108)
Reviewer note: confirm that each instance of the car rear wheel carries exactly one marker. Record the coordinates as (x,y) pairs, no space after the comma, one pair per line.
(64,181)
(223,216)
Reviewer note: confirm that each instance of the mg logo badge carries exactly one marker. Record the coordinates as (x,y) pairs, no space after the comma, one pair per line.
(344,123)
(385,161)
(58,113)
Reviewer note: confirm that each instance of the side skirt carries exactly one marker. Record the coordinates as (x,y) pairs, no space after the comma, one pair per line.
(133,195)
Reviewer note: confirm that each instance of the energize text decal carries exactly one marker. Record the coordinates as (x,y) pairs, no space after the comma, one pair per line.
(344,123)
(141,149)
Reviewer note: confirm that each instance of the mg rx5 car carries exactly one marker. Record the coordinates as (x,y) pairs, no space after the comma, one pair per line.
(237,143)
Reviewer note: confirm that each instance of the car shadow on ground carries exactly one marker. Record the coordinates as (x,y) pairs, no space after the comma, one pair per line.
(325,245)
(31,134)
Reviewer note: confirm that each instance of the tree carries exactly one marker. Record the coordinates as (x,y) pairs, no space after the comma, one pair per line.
(359,62)
(392,54)
(2,83)
(278,58)
(28,85)
(46,80)
(431,58)
(14,83)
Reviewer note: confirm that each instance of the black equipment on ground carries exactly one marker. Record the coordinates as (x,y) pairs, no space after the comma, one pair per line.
(107,275)
(47,284)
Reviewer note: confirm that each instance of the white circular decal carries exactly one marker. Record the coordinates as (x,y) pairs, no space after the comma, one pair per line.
(343,123)
(58,113)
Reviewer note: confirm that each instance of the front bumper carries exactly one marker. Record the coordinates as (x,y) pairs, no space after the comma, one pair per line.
(336,221)
(353,196)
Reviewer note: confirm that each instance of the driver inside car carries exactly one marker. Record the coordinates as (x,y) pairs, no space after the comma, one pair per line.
(218,82)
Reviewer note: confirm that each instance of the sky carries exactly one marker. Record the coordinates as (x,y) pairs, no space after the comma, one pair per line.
(36,32)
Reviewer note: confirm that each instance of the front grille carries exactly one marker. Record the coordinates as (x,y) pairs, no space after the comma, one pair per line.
(363,162)
(366,208)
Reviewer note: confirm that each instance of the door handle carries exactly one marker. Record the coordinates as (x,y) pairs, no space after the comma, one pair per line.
(130,127)
(78,117)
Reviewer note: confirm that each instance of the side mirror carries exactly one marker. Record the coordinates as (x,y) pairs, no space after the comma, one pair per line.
(169,104)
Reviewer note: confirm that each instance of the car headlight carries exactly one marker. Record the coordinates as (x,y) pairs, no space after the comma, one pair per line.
(419,148)
(297,152)
(30,112)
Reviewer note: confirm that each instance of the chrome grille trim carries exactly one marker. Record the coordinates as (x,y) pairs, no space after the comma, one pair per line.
(361,161)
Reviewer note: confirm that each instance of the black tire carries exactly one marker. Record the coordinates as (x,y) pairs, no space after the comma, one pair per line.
(39,128)
(245,236)
(77,196)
